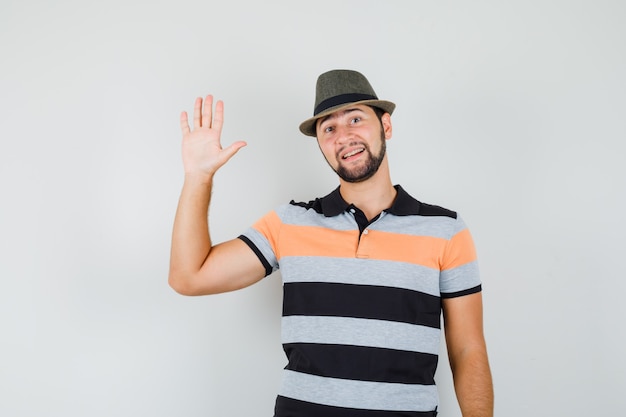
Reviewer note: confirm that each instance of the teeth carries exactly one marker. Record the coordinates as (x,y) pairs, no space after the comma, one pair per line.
(354,152)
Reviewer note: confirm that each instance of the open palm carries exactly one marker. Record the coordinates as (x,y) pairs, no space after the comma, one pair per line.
(202,150)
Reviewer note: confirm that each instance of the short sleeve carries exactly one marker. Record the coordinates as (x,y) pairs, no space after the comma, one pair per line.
(459,274)
(262,238)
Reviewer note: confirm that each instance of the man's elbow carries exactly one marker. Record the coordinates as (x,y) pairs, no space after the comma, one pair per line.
(182,283)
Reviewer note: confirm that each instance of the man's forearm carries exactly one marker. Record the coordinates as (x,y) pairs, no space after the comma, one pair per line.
(191,241)
(473,384)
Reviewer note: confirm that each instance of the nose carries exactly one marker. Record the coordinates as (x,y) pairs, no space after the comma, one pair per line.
(343,134)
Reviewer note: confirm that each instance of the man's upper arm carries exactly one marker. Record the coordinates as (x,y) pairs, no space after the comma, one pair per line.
(230,266)
(463,323)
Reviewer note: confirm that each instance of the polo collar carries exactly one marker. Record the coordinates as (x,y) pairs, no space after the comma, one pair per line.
(404,205)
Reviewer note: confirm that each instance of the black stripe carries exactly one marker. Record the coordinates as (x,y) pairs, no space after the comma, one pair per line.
(266,265)
(473,290)
(362,363)
(288,407)
(342,99)
(361,301)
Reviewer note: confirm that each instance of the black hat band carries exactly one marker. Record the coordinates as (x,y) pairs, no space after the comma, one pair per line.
(342,99)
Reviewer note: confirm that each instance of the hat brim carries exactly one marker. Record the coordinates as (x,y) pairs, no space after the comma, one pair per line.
(308,126)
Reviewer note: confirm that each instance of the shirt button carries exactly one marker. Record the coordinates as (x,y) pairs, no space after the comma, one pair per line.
(365,231)
(352,211)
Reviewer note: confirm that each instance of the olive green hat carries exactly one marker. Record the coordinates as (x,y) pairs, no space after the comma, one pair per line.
(338,89)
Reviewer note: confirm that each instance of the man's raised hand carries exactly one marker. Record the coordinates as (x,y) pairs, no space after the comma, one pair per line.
(203,154)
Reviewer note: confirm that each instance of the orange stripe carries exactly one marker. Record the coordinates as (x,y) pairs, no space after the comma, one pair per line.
(318,241)
(460,250)
(267,224)
(420,250)
(428,251)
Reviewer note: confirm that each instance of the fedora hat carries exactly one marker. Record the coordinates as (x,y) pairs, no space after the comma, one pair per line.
(338,89)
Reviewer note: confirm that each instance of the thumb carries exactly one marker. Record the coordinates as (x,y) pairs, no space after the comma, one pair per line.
(231,150)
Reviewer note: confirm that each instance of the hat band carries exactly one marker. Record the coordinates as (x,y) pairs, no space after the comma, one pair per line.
(342,99)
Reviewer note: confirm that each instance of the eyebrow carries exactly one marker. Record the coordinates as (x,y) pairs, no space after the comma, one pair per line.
(338,114)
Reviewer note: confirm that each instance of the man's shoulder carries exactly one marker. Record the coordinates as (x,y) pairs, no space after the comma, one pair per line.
(330,205)
(308,205)
(407,205)
(296,209)
(404,205)
(434,210)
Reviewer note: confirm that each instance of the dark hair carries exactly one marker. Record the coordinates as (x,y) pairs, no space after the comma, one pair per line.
(379,113)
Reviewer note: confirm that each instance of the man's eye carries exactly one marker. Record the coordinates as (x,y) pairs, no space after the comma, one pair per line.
(328,129)
(355,120)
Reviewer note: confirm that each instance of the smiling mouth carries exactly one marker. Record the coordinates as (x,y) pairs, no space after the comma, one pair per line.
(352,153)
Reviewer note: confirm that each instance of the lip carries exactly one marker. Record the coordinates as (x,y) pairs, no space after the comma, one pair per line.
(355,150)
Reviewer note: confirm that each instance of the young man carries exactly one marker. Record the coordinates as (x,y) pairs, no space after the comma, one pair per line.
(367,270)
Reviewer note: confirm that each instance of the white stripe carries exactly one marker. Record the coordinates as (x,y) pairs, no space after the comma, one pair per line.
(460,278)
(299,216)
(360,332)
(436,226)
(442,227)
(361,272)
(358,394)
(263,245)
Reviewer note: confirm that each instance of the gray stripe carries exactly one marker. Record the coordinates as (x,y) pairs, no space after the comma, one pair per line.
(263,245)
(358,394)
(460,278)
(439,227)
(360,332)
(299,216)
(435,226)
(361,272)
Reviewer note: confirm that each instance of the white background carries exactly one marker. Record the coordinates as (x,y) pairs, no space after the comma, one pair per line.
(512,113)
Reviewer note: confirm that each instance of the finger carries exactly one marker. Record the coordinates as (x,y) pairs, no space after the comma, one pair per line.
(218,118)
(197,108)
(184,123)
(206,112)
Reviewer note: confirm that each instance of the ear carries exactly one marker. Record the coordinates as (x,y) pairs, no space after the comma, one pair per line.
(386,122)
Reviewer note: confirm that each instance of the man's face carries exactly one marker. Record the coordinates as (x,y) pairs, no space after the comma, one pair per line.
(353,141)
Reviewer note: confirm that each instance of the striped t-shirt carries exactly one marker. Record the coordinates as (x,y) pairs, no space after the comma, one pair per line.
(362,302)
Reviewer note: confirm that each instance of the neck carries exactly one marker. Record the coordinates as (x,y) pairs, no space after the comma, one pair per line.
(373,195)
